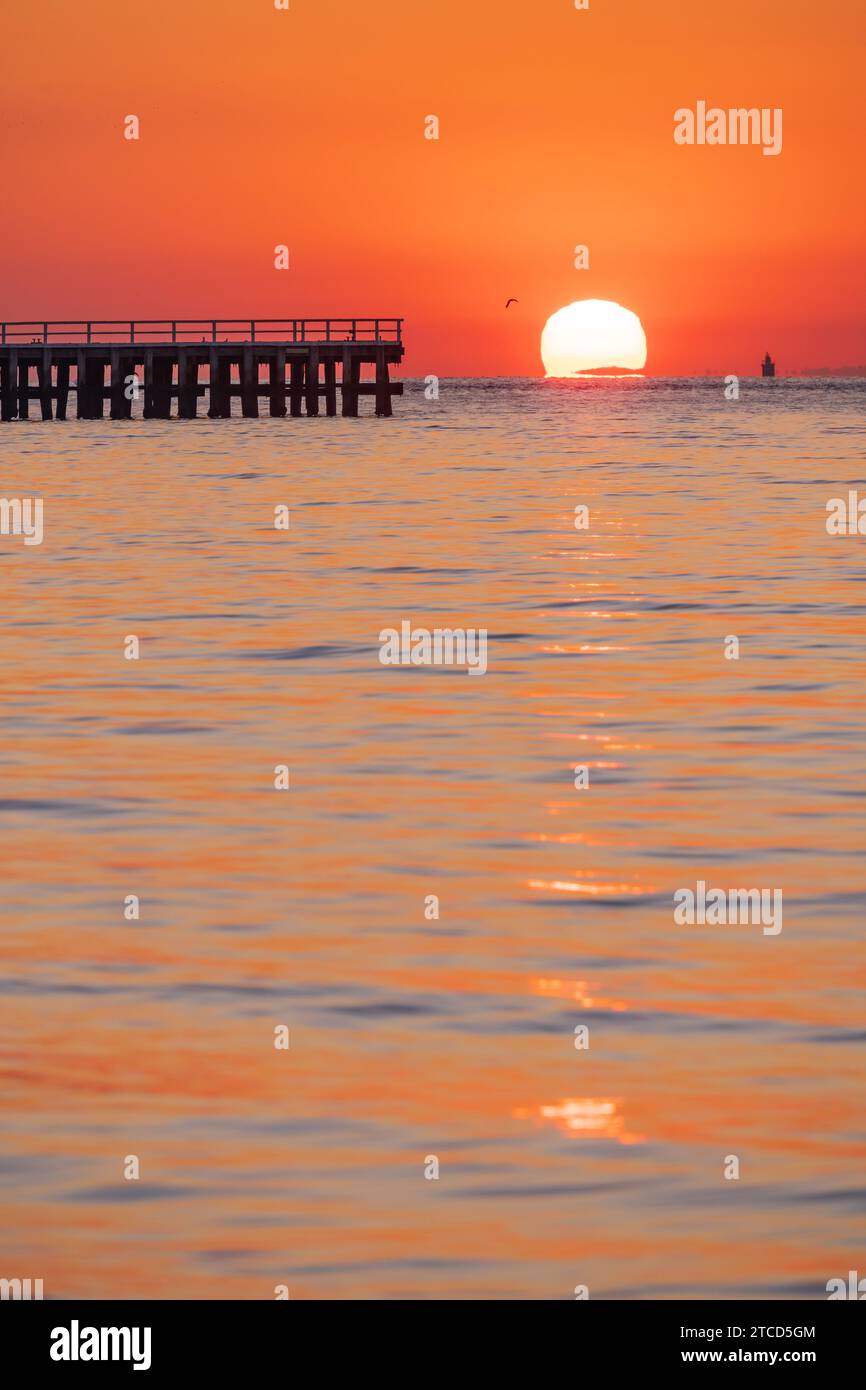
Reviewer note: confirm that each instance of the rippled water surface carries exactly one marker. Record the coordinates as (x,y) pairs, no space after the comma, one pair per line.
(455,1037)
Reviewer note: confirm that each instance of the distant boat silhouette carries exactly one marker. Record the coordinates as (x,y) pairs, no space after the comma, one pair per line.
(768,366)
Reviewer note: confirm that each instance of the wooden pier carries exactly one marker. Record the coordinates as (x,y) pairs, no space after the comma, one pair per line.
(291,364)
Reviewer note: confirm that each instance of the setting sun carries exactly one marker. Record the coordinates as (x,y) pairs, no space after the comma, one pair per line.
(589,334)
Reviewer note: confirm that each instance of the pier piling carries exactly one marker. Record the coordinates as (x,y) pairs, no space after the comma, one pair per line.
(349,385)
(220,373)
(249,383)
(330,386)
(94,388)
(23,391)
(383,393)
(297,385)
(8,385)
(312,369)
(121,368)
(278,383)
(62,388)
(187,385)
(163,373)
(43,374)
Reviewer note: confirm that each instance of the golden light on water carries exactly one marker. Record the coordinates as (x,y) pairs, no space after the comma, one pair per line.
(592,890)
(587,1117)
(579,991)
(592,334)
(582,1114)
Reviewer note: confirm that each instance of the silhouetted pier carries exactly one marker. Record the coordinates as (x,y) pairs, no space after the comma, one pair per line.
(159,361)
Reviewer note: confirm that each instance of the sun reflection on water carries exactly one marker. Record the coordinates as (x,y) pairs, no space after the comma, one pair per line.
(579,991)
(587,1117)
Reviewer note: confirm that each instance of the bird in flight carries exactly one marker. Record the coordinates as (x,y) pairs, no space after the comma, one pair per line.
(511,301)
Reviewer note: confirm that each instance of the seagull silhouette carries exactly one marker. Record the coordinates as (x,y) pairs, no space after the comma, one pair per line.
(511,301)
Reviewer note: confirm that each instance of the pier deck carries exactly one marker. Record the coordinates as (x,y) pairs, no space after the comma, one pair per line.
(162,361)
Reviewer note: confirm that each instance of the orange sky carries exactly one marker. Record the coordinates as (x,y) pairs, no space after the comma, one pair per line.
(305,127)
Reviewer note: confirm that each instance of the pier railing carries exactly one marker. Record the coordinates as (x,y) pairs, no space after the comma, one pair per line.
(156,331)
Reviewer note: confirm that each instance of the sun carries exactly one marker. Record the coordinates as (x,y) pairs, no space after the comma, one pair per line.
(589,334)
